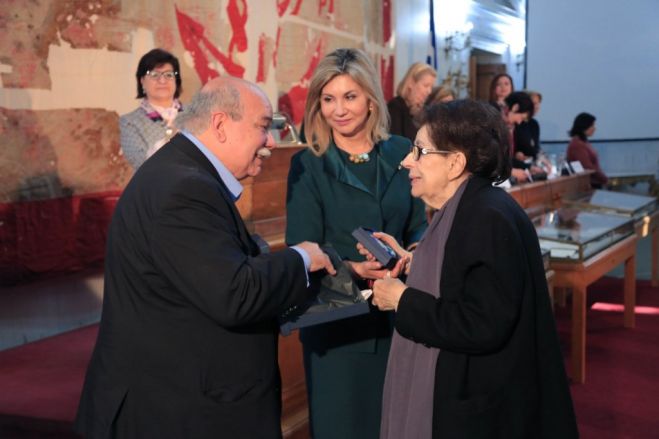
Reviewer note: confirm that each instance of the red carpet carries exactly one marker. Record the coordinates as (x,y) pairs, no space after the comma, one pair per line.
(620,398)
(40,382)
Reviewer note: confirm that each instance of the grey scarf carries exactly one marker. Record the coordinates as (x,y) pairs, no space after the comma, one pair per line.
(409,385)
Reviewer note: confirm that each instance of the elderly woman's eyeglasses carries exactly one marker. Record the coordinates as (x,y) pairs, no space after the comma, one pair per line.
(417,151)
(168,76)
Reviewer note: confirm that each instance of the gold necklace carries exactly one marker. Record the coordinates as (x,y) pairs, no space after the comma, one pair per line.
(359,158)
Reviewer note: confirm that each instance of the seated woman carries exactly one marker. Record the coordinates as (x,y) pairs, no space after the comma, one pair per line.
(534,126)
(526,138)
(411,94)
(518,110)
(500,87)
(475,352)
(580,149)
(440,95)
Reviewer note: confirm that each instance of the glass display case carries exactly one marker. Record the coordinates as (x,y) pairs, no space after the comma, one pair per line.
(618,203)
(575,235)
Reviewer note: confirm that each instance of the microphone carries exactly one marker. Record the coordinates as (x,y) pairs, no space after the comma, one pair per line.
(263,153)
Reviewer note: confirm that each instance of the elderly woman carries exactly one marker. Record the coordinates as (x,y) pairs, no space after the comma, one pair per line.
(349,177)
(411,94)
(475,352)
(151,125)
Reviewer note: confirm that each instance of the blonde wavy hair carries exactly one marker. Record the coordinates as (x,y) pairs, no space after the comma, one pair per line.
(413,75)
(356,64)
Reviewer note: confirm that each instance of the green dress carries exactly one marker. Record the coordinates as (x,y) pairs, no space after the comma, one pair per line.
(328,197)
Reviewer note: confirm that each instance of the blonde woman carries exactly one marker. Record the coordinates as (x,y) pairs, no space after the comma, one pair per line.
(440,95)
(411,95)
(349,177)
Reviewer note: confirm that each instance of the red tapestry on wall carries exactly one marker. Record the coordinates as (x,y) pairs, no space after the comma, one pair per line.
(47,237)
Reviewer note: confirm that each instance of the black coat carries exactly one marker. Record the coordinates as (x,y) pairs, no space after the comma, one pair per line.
(527,138)
(402,122)
(500,372)
(187,346)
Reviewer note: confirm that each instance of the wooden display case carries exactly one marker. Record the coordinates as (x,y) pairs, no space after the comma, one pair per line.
(643,210)
(573,236)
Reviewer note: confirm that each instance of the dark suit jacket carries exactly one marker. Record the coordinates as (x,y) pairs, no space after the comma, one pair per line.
(402,122)
(187,346)
(527,139)
(500,372)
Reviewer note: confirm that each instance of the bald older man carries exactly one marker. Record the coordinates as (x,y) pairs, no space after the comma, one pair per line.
(187,346)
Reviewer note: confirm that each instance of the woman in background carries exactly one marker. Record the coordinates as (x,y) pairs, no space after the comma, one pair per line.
(151,125)
(411,95)
(349,177)
(440,95)
(517,110)
(475,353)
(527,137)
(500,87)
(534,126)
(580,149)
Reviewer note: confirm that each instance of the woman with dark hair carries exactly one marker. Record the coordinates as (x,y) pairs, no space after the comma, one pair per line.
(518,108)
(151,125)
(475,352)
(580,149)
(500,87)
(347,178)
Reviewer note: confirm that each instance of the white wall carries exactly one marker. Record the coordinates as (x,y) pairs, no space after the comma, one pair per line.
(489,24)
(410,21)
(598,56)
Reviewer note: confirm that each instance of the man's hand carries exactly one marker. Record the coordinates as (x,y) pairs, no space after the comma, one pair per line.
(319,260)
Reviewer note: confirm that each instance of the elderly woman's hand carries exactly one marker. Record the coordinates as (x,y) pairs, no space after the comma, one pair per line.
(403,265)
(372,269)
(387,292)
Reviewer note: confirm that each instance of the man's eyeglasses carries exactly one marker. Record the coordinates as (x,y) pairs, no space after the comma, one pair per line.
(168,76)
(417,151)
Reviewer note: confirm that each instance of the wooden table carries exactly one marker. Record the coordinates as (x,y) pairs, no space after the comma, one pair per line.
(578,275)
